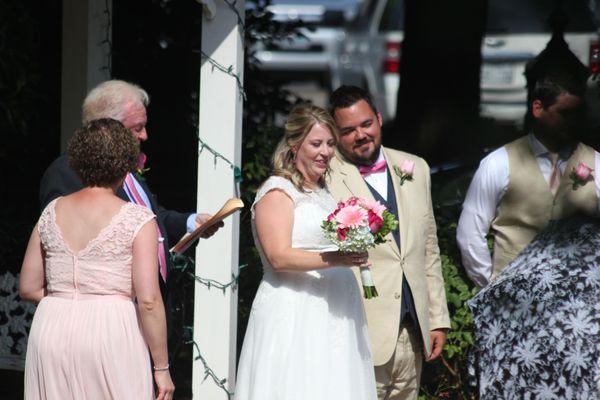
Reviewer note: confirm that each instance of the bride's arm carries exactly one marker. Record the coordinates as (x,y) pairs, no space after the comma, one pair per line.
(274,219)
(32,281)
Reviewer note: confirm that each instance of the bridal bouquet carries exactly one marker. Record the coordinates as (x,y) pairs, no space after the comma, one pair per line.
(357,225)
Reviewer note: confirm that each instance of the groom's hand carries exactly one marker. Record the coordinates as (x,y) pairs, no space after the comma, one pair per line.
(437,339)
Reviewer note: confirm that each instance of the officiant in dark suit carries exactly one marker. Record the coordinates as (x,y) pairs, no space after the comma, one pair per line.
(125,102)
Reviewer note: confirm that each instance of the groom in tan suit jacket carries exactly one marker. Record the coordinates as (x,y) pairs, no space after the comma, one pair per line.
(408,320)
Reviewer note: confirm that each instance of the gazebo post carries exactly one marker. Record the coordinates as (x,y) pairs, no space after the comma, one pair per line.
(220,126)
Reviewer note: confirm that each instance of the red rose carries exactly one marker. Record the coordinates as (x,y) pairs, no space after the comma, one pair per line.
(342,233)
(375,222)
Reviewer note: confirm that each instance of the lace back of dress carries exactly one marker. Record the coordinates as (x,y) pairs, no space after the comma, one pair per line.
(117,239)
(48,234)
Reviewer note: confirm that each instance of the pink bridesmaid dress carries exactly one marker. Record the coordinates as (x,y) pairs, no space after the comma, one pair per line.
(86,341)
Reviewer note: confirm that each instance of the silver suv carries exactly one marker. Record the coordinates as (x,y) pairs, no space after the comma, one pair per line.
(517,31)
(315,54)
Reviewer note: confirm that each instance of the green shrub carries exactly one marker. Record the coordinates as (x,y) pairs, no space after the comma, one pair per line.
(446,378)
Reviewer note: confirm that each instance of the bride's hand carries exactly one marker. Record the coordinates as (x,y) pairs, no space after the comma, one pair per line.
(164,385)
(353,259)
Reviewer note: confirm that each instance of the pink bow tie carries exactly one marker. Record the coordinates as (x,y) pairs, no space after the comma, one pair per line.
(379,166)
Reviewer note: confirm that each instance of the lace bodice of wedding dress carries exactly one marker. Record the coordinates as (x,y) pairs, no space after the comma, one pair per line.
(310,210)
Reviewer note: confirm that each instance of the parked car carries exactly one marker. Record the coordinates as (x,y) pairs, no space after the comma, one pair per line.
(517,31)
(313,56)
(371,50)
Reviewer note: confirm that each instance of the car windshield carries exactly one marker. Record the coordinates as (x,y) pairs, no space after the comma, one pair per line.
(531,16)
(393,16)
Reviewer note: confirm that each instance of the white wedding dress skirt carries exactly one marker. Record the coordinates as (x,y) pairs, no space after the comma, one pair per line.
(307,336)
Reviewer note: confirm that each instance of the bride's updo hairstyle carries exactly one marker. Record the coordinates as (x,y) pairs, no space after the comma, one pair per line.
(102,152)
(299,123)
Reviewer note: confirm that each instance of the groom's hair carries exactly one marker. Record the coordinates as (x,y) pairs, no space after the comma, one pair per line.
(348,95)
(550,87)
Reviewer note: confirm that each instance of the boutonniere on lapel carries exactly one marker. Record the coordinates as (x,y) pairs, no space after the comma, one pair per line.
(140,167)
(581,175)
(405,171)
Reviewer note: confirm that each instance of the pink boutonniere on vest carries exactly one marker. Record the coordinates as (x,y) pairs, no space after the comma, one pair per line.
(405,171)
(140,167)
(581,175)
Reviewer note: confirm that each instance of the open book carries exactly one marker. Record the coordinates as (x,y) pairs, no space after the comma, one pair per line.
(230,206)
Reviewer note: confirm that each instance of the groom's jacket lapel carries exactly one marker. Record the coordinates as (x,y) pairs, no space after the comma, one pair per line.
(401,200)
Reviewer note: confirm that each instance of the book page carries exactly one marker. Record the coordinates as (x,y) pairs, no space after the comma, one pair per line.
(230,206)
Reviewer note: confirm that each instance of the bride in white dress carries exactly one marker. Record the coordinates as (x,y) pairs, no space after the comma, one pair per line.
(307,336)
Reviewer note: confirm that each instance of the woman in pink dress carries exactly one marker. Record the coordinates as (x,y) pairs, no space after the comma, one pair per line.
(89,257)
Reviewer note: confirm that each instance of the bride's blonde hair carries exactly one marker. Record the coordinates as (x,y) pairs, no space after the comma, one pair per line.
(299,123)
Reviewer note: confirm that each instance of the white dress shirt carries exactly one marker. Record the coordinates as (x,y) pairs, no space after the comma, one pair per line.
(379,180)
(483,198)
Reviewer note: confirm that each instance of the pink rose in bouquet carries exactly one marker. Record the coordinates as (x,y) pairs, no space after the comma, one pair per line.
(357,225)
(342,233)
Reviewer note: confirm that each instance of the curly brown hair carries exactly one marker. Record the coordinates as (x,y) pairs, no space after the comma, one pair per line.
(102,152)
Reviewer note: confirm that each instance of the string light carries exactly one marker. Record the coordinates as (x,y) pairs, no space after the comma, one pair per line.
(209,372)
(237,171)
(227,70)
(185,264)
(240,20)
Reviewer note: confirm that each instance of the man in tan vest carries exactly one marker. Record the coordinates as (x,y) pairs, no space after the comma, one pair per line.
(409,318)
(521,186)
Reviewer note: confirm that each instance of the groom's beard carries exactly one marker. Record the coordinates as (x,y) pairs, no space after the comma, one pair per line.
(365,159)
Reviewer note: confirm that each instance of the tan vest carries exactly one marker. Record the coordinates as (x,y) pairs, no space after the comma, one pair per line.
(528,204)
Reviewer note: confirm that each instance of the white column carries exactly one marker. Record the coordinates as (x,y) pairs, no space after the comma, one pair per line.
(85,57)
(220,116)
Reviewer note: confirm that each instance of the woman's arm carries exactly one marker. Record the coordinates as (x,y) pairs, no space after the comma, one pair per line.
(150,304)
(32,282)
(274,218)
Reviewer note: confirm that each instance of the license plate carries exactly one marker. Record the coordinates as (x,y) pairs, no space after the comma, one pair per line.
(494,74)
